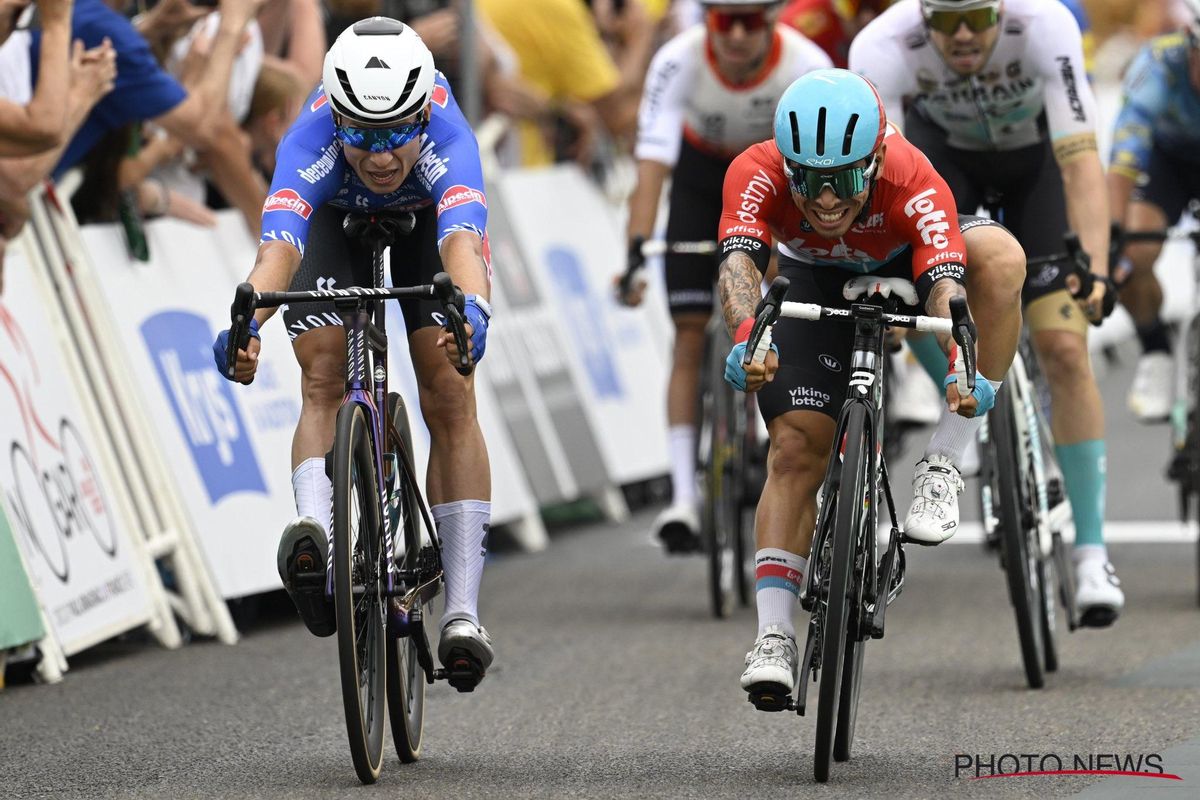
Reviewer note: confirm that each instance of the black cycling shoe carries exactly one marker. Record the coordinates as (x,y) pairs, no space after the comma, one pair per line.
(677,527)
(302,559)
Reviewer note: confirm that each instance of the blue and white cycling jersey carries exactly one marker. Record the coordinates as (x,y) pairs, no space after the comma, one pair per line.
(1161,108)
(311,171)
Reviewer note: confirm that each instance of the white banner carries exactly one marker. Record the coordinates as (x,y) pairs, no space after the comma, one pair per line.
(65,505)
(230,445)
(574,249)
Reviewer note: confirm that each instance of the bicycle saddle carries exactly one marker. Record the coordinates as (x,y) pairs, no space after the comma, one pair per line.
(379,226)
(867,285)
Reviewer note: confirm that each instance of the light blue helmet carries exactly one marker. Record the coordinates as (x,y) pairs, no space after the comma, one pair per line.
(829,118)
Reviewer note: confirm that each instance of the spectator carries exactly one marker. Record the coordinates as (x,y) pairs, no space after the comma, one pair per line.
(277,99)
(31,121)
(294,38)
(561,54)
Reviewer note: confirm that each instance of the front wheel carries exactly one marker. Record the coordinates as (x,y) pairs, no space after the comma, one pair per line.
(1014,509)
(358,575)
(720,521)
(405,677)
(849,514)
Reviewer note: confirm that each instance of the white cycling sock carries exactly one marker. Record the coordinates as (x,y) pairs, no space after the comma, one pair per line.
(462,528)
(778,576)
(314,492)
(682,439)
(954,433)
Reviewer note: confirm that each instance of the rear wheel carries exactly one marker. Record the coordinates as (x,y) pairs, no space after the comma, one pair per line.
(358,573)
(405,677)
(848,522)
(1013,506)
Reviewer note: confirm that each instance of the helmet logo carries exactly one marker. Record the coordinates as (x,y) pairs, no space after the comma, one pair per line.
(376,63)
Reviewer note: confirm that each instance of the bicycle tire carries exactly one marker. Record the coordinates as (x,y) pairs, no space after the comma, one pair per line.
(718,522)
(1010,502)
(361,634)
(1047,570)
(847,524)
(405,677)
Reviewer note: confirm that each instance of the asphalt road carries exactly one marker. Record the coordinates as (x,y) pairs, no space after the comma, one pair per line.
(612,680)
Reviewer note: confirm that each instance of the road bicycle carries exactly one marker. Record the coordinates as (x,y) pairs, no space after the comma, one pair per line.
(381,593)
(849,587)
(1184,466)
(730,461)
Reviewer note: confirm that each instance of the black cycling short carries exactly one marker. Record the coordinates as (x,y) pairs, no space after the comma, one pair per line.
(333,261)
(695,216)
(814,357)
(1033,206)
(1170,183)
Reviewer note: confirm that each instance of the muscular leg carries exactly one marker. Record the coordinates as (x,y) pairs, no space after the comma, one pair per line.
(459,478)
(995,275)
(682,395)
(322,356)
(1141,293)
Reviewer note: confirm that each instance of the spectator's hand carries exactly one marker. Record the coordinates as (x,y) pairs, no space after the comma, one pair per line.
(239,12)
(93,72)
(170,19)
(509,94)
(439,31)
(584,120)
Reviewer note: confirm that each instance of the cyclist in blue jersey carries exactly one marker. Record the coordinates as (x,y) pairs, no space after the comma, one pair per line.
(382,131)
(1154,172)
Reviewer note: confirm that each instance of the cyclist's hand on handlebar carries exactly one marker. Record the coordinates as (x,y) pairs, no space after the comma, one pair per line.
(753,377)
(976,404)
(636,293)
(247,359)
(1101,302)
(478,314)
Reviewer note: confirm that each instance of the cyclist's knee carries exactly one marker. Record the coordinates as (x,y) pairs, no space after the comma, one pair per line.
(995,266)
(798,454)
(1064,357)
(323,375)
(689,338)
(447,402)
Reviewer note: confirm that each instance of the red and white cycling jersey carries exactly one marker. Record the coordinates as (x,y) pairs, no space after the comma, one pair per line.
(685,93)
(910,207)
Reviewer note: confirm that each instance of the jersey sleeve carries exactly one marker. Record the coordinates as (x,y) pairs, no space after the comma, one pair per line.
(450,169)
(750,198)
(879,59)
(1056,45)
(924,210)
(1145,93)
(309,169)
(660,115)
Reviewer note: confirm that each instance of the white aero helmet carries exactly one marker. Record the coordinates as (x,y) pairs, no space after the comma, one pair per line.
(378,72)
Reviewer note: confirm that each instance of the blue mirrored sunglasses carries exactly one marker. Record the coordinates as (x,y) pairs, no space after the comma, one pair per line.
(379,140)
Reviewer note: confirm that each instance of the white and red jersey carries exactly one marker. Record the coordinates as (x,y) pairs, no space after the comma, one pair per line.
(910,206)
(686,98)
(1036,65)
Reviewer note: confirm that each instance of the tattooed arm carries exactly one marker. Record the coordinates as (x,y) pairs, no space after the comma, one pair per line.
(938,305)
(739,283)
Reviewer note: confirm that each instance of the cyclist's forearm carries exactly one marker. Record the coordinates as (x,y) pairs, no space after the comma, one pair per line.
(938,305)
(739,283)
(1087,206)
(643,203)
(273,271)
(462,257)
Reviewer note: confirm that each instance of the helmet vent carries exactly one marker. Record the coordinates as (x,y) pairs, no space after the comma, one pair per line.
(821,131)
(849,138)
(379,26)
(795,132)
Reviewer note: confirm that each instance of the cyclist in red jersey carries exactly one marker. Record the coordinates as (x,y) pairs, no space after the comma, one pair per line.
(843,194)
(831,23)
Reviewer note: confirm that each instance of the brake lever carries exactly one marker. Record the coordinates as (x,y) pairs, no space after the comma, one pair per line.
(453,304)
(765,317)
(240,314)
(964,333)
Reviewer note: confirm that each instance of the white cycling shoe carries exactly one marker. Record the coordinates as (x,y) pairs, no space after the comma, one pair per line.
(1151,394)
(466,651)
(1098,595)
(678,528)
(770,673)
(933,516)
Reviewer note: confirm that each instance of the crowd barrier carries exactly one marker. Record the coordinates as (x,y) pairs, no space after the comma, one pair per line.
(140,488)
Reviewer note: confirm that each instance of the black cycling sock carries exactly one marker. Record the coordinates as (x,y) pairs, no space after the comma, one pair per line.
(1154,337)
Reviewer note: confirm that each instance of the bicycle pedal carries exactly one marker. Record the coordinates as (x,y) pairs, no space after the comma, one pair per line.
(463,672)
(905,539)
(770,697)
